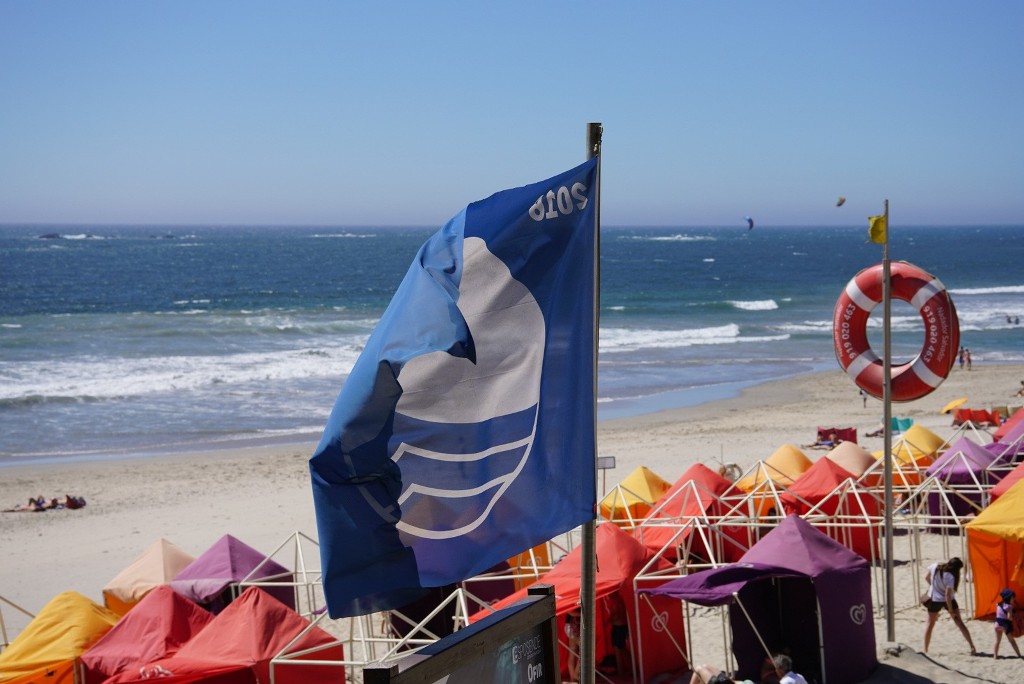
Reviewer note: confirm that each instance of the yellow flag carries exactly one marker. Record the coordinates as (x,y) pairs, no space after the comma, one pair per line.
(877,229)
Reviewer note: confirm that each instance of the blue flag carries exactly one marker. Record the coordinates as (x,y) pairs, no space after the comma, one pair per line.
(465,432)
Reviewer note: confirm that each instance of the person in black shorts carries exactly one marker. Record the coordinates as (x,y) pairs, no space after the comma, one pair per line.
(943,579)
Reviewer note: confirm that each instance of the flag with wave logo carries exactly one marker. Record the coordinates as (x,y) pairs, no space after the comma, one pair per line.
(465,432)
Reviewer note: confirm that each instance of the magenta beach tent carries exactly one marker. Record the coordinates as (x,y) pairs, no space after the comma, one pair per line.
(212,580)
(796,589)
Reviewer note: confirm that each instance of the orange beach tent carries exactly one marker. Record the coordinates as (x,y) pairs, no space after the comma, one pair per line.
(995,545)
(157,565)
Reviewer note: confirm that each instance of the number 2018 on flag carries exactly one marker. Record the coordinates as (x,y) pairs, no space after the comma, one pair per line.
(560,202)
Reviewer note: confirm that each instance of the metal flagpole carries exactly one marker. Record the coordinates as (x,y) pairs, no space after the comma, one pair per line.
(588,579)
(890,614)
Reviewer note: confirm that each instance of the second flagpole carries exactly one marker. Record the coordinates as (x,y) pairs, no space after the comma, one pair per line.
(588,571)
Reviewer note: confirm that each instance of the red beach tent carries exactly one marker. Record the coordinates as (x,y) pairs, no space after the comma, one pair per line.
(695,496)
(236,647)
(619,559)
(831,492)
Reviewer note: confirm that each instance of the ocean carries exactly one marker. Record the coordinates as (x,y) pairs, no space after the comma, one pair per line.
(126,341)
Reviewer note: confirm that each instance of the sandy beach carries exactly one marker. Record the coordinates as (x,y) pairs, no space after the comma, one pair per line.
(261,495)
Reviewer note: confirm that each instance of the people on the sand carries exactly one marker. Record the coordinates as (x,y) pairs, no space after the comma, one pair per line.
(705,674)
(572,637)
(34,505)
(943,580)
(784,669)
(831,441)
(620,633)
(1020,392)
(967,355)
(39,503)
(1004,621)
(961,358)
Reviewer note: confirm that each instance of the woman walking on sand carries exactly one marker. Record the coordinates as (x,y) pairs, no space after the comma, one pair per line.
(943,580)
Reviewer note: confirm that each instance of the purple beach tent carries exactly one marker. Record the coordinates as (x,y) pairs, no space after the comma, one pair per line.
(212,580)
(796,589)
(964,472)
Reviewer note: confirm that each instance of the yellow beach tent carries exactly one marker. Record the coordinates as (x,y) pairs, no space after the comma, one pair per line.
(995,545)
(913,452)
(51,644)
(783,467)
(157,565)
(780,470)
(632,499)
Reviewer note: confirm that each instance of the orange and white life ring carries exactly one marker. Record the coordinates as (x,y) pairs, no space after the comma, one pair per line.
(908,283)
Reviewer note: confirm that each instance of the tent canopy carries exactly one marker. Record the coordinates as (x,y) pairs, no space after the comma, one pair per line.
(210,578)
(157,565)
(160,624)
(1004,430)
(695,495)
(962,462)
(783,467)
(631,500)
(830,489)
(619,558)
(48,647)
(995,544)
(782,581)
(1004,485)
(852,458)
(238,644)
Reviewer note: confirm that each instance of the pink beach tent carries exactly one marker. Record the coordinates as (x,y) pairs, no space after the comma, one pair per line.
(160,624)
(236,647)
(1017,417)
(156,566)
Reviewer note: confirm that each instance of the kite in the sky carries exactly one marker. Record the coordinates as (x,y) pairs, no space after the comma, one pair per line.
(750,222)
(841,201)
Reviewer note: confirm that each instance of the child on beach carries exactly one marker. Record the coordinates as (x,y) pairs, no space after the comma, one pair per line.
(1004,621)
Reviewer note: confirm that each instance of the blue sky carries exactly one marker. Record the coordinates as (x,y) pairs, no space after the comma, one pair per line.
(326,112)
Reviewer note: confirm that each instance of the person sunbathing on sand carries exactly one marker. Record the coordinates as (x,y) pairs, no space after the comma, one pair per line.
(33,506)
(705,674)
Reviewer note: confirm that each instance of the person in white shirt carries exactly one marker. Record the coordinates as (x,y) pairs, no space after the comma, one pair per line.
(943,580)
(784,668)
